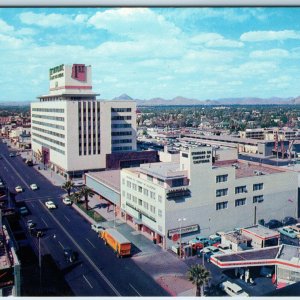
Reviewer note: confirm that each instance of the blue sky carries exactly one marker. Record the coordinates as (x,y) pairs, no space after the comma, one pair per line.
(202,53)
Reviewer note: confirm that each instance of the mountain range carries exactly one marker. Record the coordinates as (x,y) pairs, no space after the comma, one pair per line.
(224,101)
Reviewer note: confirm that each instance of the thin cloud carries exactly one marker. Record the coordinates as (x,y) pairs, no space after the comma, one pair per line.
(259,36)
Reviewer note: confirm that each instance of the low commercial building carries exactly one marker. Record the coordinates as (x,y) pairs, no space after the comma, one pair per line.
(196,196)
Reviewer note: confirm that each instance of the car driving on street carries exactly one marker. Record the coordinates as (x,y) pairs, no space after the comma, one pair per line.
(50,204)
(18,189)
(33,187)
(67,201)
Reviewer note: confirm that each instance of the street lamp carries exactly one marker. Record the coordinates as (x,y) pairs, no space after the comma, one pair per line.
(180,220)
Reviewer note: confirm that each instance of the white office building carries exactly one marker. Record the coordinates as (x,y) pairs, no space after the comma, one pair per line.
(71,131)
(195,197)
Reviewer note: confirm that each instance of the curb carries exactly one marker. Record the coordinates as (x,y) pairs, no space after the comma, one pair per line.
(83,214)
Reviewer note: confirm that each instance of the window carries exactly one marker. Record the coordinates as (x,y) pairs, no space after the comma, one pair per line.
(221,178)
(184,155)
(258,199)
(140,189)
(258,186)
(160,213)
(221,192)
(128,184)
(152,209)
(145,192)
(240,202)
(152,195)
(140,202)
(159,198)
(221,205)
(134,186)
(146,205)
(177,182)
(128,196)
(241,189)
(134,199)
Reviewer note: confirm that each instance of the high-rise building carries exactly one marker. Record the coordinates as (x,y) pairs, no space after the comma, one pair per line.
(72,131)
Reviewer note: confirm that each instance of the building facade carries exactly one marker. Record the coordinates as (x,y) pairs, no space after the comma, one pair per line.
(71,131)
(197,196)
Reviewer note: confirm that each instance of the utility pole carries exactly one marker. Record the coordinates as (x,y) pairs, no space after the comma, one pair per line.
(180,220)
(40,265)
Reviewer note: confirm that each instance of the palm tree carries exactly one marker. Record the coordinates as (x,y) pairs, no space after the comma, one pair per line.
(67,186)
(86,193)
(199,276)
(76,197)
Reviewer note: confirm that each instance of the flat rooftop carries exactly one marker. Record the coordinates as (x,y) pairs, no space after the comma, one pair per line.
(290,253)
(162,170)
(109,178)
(261,231)
(248,169)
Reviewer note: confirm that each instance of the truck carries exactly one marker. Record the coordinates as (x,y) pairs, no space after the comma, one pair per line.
(113,238)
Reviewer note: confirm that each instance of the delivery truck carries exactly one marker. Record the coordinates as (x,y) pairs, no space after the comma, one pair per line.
(117,241)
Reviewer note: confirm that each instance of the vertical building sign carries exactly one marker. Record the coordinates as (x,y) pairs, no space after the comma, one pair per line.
(79,72)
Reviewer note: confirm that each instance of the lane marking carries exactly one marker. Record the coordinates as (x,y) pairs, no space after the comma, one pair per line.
(44,222)
(17,173)
(67,218)
(87,281)
(91,243)
(32,205)
(134,289)
(50,198)
(83,253)
(61,244)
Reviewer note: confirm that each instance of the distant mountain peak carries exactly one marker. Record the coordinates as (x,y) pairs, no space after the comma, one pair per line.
(123,97)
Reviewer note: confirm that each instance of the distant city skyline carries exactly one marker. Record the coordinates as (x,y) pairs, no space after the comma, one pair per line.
(201,53)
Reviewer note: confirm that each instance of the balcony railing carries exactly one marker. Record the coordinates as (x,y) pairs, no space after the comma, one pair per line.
(178,193)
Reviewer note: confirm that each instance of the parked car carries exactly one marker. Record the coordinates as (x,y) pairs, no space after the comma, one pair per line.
(34,187)
(289,221)
(196,245)
(12,154)
(214,239)
(209,251)
(288,231)
(203,240)
(70,255)
(78,183)
(97,227)
(23,211)
(273,224)
(50,204)
(232,289)
(18,189)
(67,201)
(296,228)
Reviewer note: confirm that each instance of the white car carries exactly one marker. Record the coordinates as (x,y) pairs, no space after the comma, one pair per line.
(34,187)
(97,227)
(224,249)
(50,204)
(18,189)
(67,201)
(232,289)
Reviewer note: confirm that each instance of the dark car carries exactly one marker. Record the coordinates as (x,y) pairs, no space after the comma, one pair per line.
(289,221)
(273,224)
(70,255)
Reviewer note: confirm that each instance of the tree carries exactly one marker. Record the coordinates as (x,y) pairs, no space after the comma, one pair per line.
(67,186)
(86,193)
(199,276)
(76,197)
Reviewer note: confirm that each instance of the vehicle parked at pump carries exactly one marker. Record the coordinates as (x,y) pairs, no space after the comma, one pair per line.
(203,240)
(232,289)
(288,231)
(224,249)
(296,228)
(214,240)
(208,252)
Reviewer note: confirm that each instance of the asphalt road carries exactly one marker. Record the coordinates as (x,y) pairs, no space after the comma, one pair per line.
(98,272)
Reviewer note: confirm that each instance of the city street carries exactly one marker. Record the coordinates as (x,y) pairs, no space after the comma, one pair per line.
(98,272)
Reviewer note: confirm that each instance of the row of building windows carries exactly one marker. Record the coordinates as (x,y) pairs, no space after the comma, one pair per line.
(49,132)
(121,133)
(128,109)
(125,141)
(54,110)
(239,202)
(48,146)
(221,178)
(48,124)
(48,139)
(145,204)
(124,148)
(62,119)
(115,118)
(239,189)
(120,125)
